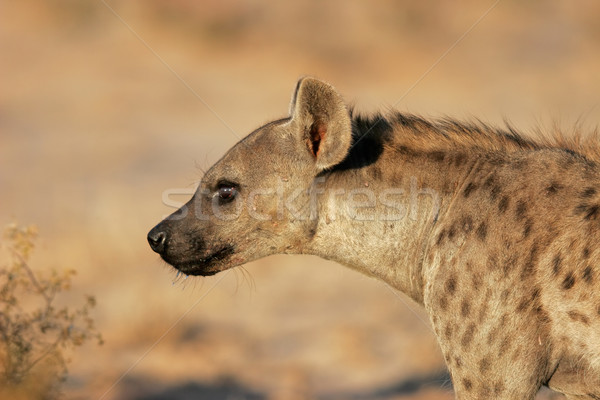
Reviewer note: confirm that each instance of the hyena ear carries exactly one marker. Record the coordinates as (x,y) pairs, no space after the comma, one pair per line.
(321,122)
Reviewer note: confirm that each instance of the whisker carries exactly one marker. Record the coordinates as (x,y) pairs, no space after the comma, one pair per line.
(248,278)
(237,280)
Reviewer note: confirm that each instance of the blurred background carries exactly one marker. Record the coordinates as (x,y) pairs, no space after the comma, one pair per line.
(105,106)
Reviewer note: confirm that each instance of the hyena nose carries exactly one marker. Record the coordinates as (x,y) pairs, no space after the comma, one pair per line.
(157,239)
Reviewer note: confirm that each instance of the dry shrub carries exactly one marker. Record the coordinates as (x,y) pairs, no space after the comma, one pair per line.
(35,331)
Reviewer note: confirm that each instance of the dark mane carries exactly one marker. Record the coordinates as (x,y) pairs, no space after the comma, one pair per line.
(372,133)
(369,135)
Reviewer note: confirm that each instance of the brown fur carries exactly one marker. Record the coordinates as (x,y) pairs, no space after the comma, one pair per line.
(494,234)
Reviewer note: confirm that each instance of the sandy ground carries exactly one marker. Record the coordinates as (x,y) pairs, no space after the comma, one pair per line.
(107,106)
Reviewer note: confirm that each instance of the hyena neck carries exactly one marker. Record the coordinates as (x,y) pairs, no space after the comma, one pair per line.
(379,208)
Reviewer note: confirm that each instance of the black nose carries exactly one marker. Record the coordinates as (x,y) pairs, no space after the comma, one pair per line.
(157,239)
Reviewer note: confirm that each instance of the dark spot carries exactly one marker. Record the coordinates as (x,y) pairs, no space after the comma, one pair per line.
(496,161)
(443,302)
(448,332)
(530,263)
(523,305)
(467,384)
(469,189)
(468,336)
(498,388)
(467,224)
(589,212)
(569,281)
(494,192)
(527,228)
(566,162)
(508,264)
(460,159)
(588,275)
(465,308)
(483,310)
(535,294)
(553,188)
(407,151)
(592,212)
(451,232)
(504,346)
(556,265)
(541,313)
(489,182)
(519,164)
(492,262)
(491,185)
(551,233)
(441,237)
(476,279)
(520,210)
(577,316)
(376,173)
(436,155)
(589,192)
(451,285)
(482,231)
(492,335)
(484,365)
(517,354)
(503,204)
(586,253)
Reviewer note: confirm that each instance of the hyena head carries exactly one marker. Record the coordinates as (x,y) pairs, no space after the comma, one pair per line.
(255,201)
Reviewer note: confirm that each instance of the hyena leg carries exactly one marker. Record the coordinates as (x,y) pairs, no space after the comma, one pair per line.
(487,363)
(576,379)
(471,385)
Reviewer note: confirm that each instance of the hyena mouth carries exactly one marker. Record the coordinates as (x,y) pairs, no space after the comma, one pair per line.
(202,266)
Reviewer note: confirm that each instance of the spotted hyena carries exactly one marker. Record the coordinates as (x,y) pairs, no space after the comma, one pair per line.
(494,234)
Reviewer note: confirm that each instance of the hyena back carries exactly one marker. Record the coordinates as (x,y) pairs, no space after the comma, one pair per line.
(495,235)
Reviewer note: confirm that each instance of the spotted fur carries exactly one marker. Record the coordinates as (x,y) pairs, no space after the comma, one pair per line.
(498,241)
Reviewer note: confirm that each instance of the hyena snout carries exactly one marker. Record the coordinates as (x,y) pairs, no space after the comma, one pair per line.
(157,238)
(160,237)
(189,246)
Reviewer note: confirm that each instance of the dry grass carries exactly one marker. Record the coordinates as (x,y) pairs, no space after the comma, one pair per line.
(94,127)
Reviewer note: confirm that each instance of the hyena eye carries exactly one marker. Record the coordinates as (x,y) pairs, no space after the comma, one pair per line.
(227,192)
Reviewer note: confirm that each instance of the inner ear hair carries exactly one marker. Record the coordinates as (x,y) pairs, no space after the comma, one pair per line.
(322,122)
(317,133)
